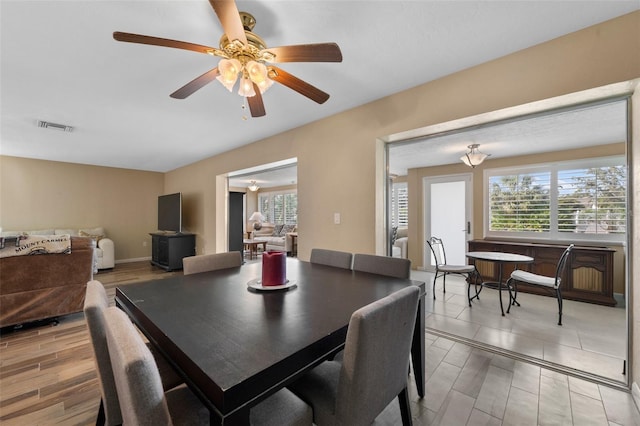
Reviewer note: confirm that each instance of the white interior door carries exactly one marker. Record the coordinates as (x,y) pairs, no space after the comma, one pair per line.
(448,201)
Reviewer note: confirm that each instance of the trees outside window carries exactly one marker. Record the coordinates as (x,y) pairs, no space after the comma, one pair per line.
(585,199)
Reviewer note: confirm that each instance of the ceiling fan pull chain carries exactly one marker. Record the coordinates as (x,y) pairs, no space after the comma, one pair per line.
(244,108)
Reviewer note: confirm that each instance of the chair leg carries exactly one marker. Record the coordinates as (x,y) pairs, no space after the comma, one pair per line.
(434,285)
(478,277)
(559,295)
(405,407)
(469,288)
(444,282)
(510,282)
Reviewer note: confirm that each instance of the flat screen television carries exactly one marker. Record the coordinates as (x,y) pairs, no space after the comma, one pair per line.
(170,212)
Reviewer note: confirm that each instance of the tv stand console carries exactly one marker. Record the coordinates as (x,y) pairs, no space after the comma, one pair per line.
(167,250)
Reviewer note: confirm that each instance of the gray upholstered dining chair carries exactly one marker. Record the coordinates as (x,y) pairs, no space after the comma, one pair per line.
(95,304)
(551,283)
(443,268)
(211,262)
(144,402)
(382,265)
(374,370)
(339,259)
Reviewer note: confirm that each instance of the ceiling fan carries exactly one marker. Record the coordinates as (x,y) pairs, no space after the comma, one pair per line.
(246,55)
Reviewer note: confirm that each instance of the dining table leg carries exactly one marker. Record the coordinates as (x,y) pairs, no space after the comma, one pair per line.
(417,349)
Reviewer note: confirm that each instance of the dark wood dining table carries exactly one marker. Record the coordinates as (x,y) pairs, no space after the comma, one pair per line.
(500,258)
(235,345)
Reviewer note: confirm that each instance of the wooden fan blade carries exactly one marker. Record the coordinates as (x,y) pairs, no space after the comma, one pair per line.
(294,83)
(165,42)
(229,17)
(319,52)
(255,103)
(195,84)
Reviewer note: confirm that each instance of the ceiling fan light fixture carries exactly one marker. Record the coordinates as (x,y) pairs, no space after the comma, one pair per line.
(257,71)
(253,187)
(259,75)
(246,87)
(474,157)
(229,69)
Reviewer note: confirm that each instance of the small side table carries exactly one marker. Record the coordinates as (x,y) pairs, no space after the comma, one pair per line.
(252,246)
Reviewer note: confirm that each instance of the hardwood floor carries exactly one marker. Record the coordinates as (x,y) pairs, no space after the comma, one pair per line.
(47,377)
(47,373)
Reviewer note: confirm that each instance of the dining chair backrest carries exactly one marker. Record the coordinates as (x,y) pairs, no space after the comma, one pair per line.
(382,265)
(376,357)
(136,374)
(562,263)
(339,259)
(95,304)
(437,249)
(211,262)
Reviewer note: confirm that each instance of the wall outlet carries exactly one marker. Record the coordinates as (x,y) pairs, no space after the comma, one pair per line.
(336,218)
(144,244)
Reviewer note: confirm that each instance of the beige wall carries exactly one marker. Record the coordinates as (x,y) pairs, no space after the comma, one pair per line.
(416,199)
(337,156)
(37,194)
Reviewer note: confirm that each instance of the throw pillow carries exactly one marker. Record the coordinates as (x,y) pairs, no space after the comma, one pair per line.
(394,235)
(286,229)
(95,238)
(276,230)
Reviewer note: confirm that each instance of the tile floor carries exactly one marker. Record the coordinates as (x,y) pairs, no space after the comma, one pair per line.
(592,338)
(470,386)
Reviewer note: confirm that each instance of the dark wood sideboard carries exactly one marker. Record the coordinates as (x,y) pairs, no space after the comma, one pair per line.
(588,276)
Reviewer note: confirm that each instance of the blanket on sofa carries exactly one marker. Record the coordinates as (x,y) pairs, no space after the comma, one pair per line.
(38,244)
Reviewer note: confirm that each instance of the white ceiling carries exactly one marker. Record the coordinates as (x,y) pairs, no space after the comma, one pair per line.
(59,63)
(589,125)
(281,173)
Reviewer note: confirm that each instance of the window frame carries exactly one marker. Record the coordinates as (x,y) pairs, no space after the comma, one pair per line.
(395,205)
(270,218)
(554,235)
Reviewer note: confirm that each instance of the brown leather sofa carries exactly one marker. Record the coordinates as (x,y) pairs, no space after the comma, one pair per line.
(45,286)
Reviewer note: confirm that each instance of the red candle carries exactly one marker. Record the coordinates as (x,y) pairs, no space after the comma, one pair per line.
(274,268)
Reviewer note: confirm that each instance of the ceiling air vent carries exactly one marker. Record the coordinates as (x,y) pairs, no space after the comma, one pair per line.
(55,126)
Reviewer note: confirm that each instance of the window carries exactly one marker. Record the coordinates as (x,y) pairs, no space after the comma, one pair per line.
(279,207)
(578,200)
(399,205)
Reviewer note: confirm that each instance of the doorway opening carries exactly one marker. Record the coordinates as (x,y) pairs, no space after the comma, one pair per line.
(448,140)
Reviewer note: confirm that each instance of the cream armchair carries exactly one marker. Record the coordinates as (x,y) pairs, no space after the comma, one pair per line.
(104,254)
(400,245)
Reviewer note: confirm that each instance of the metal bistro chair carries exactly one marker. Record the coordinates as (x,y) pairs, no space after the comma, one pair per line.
(550,283)
(443,268)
